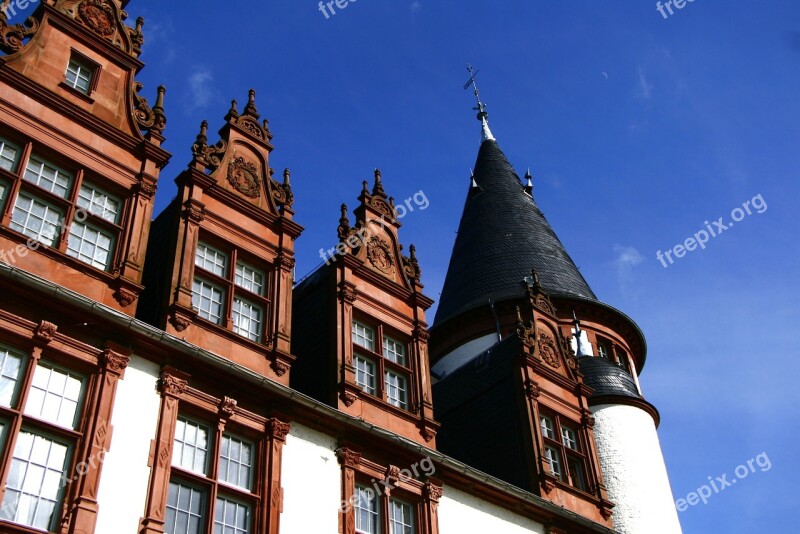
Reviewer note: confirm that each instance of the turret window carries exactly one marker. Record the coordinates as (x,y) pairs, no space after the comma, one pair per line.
(603,348)
(391,364)
(563,450)
(622,358)
(230,299)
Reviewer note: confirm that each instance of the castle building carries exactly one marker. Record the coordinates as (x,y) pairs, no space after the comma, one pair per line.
(167,375)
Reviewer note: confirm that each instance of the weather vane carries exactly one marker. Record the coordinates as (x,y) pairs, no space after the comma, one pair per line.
(481,109)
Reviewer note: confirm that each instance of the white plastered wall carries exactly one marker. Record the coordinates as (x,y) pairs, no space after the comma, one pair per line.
(462,512)
(123,484)
(311,478)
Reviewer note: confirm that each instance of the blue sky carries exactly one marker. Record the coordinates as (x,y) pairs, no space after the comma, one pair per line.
(637,128)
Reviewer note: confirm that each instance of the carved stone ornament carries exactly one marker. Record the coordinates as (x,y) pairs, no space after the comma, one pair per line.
(278,429)
(171,384)
(125,297)
(428,434)
(114,361)
(433,492)
(243,176)
(411,266)
(98,16)
(532,389)
(280,368)
(380,255)
(12,37)
(348,397)
(282,192)
(205,155)
(548,350)
(587,419)
(227,407)
(548,486)
(349,457)
(382,207)
(45,331)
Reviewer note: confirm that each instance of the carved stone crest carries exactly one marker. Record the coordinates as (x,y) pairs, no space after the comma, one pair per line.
(243,176)
(98,16)
(548,350)
(380,255)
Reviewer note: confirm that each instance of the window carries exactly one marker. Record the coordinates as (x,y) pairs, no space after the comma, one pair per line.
(622,359)
(197,503)
(62,209)
(365,374)
(40,453)
(219,292)
(562,447)
(80,74)
(370,508)
(392,364)
(8,155)
(603,348)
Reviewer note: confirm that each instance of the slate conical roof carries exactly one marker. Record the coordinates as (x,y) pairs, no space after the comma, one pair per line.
(501,237)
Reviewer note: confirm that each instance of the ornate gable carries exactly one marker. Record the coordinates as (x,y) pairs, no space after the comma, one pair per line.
(239,162)
(374,238)
(105,18)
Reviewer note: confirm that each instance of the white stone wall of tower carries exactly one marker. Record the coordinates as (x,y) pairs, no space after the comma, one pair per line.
(126,473)
(634,471)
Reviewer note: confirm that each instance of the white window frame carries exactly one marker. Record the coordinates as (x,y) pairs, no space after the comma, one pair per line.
(5,147)
(49,396)
(80,70)
(201,495)
(78,237)
(372,512)
(240,462)
(363,366)
(197,300)
(38,173)
(39,235)
(253,334)
(184,423)
(394,351)
(396,381)
(548,426)
(98,202)
(223,498)
(207,258)
(363,336)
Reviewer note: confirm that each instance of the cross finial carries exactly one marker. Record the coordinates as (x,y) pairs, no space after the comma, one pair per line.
(481,107)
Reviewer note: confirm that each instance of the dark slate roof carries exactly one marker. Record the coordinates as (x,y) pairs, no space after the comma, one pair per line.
(502,235)
(476,400)
(607,378)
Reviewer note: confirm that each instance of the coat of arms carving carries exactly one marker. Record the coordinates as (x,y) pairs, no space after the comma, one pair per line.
(243,176)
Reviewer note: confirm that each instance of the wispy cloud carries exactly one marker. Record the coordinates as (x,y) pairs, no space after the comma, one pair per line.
(416,5)
(201,89)
(626,259)
(644,89)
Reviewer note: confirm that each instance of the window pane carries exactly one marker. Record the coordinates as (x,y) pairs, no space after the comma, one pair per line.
(576,473)
(10,367)
(8,156)
(234,461)
(89,244)
(36,219)
(2,193)
(250,278)
(191,446)
(78,76)
(247,319)
(48,176)
(34,481)
(231,517)
(208,298)
(396,392)
(365,374)
(184,514)
(554,460)
(99,203)
(366,511)
(569,438)
(401,519)
(394,351)
(547,427)
(363,336)
(54,396)
(211,259)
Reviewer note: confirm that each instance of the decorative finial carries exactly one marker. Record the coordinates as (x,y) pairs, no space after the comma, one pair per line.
(233,113)
(529,182)
(287,175)
(344,217)
(250,108)
(377,189)
(139,25)
(472,179)
(519,315)
(202,137)
(483,116)
(364,188)
(343,231)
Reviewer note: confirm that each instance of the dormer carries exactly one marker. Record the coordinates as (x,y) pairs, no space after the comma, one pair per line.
(81,148)
(362,342)
(220,264)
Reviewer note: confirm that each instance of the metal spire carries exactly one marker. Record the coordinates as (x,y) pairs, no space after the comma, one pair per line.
(481,107)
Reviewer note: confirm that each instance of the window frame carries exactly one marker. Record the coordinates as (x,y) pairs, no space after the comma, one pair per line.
(232,291)
(566,454)
(209,482)
(67,206)
(383,364)
(84,63)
